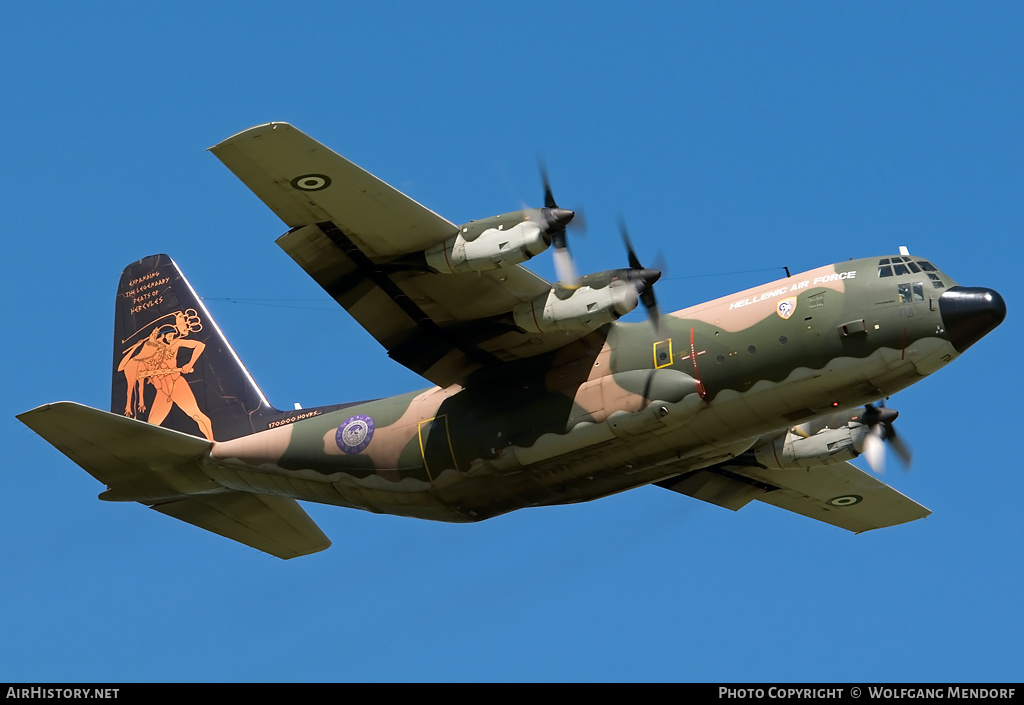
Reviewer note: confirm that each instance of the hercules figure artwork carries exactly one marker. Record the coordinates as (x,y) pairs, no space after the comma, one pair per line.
(155,359)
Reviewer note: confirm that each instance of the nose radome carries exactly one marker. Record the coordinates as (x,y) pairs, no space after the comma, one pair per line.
(969,313)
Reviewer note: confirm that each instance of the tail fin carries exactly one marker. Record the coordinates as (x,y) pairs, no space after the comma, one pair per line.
(172,365)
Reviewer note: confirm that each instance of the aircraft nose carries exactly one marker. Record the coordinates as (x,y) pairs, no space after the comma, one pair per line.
(969,313)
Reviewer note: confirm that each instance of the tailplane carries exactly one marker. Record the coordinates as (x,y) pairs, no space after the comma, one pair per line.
(163,470)
(172,366)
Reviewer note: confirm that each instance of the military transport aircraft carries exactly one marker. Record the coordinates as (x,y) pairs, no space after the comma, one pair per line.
(541,395)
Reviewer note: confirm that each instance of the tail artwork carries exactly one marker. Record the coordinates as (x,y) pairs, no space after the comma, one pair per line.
(177,388)
(172,365)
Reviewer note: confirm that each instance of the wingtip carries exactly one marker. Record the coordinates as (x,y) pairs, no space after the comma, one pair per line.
(254,131)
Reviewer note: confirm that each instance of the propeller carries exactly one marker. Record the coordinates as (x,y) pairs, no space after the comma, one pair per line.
(557,219)
(642,278)
(879,421)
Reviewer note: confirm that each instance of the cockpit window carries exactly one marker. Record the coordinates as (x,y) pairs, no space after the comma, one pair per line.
(911,292)
(897,266)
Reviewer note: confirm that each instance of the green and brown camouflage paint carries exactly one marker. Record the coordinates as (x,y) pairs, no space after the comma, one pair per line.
(626,405)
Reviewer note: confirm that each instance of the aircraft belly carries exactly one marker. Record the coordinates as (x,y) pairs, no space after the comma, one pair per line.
(407,498)
(931,354)
(552,470)
(594,460)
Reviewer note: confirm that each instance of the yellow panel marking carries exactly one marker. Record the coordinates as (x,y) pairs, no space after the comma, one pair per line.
(448,437)
(668,360)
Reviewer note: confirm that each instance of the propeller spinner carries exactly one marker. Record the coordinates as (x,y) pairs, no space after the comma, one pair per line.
(879,420)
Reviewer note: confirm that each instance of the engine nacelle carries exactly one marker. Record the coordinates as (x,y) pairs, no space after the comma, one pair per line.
(584,308)
(501,241)
(830,445)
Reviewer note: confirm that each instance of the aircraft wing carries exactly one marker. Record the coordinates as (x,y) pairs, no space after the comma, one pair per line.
(350,231)
(840,494)
(159,467)
(304,182)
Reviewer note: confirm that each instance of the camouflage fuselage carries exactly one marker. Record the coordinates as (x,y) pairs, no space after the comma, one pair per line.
(625,406)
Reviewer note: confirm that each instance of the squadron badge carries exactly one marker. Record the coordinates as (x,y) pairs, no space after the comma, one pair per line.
(354,434)
(786,307)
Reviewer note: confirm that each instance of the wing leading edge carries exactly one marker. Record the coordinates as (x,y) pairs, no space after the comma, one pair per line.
(840,494)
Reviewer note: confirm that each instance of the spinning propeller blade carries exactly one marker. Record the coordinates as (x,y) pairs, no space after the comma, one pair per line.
(557,220)
(642,278)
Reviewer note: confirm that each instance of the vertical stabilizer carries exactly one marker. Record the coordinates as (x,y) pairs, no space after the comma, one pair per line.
(172,365)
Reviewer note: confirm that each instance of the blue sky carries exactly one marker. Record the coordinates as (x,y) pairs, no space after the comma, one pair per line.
(735,138)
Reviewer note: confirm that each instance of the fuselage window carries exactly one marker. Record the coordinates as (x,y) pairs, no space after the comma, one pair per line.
(936,282)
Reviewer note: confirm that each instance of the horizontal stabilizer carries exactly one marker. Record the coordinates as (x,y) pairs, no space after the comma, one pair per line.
(135,460)
(160,467)
(275,525)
